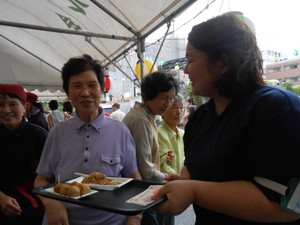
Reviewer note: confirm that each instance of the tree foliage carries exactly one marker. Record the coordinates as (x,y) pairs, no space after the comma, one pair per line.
(286,86)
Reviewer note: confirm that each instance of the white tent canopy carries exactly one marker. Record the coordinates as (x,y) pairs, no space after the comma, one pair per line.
(38,37)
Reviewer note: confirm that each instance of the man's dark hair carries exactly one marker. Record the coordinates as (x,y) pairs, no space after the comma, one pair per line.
(116,105)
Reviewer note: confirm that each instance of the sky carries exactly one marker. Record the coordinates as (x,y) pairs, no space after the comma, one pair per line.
(277,23)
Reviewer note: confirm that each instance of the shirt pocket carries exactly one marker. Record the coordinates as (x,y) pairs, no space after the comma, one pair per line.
(111,165)
(111,160)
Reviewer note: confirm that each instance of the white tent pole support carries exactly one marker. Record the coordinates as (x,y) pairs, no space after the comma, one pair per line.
(174,14)
(30,53)
(169,25)
(65,31)
(170,17)
(90,42)
(115,17)
(132,70)
(140,54)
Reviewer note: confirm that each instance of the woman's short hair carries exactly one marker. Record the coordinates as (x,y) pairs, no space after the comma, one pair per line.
(191,100)
(81,64)
(155,83)
(229,39)
(67,107)
(53,105)
(38,105)
(178,98)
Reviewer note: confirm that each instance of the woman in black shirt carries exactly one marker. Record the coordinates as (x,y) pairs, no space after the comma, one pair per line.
(246,130)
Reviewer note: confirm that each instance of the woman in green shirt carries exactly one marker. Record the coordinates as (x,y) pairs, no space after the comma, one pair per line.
(170,138)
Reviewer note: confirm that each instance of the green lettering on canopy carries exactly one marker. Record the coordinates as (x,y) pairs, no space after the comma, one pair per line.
(70,24)
(77,7)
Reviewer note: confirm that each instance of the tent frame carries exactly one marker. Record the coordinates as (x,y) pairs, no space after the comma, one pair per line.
(138,39)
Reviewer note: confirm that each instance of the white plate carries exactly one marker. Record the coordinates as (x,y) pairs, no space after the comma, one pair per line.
(123,180)
(50,190)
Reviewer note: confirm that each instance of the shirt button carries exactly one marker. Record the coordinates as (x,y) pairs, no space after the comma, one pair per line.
(86,148)
(87,136)
(85,160)
(111,161)
(88,125)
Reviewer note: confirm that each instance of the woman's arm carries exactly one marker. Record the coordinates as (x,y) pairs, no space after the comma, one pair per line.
(239,199)
(50,121)
(67,115)
(136,176)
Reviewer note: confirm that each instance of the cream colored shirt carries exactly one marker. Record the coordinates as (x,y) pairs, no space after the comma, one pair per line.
(141,123)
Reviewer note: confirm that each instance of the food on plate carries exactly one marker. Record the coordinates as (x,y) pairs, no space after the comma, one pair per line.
(73,189)
(99,178)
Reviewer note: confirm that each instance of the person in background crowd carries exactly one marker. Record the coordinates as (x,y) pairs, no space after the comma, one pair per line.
(21,146)
(68,108)
(110,97)
(35,111)
(56,116)
(246,130)
(117,114)
(170,139)
(158,90)
(190,109)
(88,142)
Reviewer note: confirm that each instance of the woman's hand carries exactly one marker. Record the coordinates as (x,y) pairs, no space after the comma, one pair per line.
(180,196)
(170,157)
(185,175)
(175,176)
(9,206)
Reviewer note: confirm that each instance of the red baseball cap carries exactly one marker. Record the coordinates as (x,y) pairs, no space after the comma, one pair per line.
(13,89)
(31,97)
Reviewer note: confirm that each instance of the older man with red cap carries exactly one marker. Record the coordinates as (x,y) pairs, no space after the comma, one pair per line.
(21,147)
(35,111)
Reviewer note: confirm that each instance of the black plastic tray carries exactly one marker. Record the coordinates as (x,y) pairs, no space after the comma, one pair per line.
(113,201)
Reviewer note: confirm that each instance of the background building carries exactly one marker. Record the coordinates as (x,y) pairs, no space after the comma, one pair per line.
(284,71)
